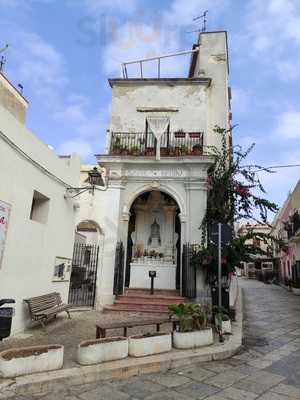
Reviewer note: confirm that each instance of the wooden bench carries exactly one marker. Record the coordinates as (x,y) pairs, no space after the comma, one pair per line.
(101,327)
(46,306)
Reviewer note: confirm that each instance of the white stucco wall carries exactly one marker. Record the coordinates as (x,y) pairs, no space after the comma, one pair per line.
(212,62)
(187,98)
(31,247)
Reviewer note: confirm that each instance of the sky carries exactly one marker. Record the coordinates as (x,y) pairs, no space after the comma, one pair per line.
(63,52)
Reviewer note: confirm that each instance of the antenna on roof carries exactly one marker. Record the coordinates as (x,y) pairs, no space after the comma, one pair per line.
(203,16)
(3,59)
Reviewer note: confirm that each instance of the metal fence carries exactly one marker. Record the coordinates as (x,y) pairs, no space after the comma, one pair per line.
(84,275)
(173,144)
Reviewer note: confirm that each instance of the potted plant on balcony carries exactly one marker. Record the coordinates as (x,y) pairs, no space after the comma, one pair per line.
(179,134)
(101,350)
(222,320)
(197,150)
(117,148)
(150,151)
(135,151)
(184,150)
(296,287)
(193,326)
(195,135)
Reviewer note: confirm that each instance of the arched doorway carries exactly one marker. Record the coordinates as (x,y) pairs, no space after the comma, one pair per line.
(82,291)
(154,241)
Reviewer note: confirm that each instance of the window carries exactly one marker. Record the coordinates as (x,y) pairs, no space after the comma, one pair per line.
(39,207)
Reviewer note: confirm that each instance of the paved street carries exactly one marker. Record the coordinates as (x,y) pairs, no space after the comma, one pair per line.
(268,367)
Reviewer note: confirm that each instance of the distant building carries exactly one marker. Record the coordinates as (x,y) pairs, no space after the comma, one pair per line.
(36,220)
(286,228)
(260,263)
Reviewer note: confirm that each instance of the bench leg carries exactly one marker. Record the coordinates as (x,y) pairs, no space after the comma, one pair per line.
(43,322)
(125,331)
(157,327)
(69,316)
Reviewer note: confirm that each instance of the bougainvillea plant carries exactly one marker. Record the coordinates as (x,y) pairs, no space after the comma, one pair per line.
(233,190)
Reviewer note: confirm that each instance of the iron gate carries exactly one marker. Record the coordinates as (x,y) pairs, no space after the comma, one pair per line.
(84,275)
(119,269)
(188,272)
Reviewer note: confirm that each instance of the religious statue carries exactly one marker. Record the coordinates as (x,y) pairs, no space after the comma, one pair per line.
(154,238)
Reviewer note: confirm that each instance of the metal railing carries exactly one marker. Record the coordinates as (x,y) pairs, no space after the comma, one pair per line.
(172,144)
(293,225)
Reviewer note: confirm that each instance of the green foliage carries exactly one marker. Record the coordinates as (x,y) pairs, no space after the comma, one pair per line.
(232,185)
(232,195)
(221,314)
(191,316)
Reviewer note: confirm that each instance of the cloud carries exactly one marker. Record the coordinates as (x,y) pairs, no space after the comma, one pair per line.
(273,35)
(139,38)
(288,125)
(76,145)
(183,12)
(36,62)
(136,41)
(240,100)
(98,7)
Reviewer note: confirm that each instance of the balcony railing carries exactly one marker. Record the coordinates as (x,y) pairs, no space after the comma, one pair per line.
(172,144)
(292,226)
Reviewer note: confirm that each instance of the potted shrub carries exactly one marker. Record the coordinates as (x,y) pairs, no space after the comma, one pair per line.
(149,344)
(28,360)
(116,147)
(296,288)
(135,151)
(100,350)
(197,150)
(195,135)
(184,150)
(193,326)
(150,151)
(179,134)
(164,151)
(222,319)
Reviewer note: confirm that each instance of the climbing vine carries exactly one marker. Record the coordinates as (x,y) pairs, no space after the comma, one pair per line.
(234,193)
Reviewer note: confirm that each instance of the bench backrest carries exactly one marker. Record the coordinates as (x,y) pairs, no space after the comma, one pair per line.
(44,302)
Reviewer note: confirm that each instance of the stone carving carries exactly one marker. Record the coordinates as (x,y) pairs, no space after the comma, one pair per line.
(156,173)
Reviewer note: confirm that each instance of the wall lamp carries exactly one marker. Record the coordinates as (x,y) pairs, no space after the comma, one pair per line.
(94,179)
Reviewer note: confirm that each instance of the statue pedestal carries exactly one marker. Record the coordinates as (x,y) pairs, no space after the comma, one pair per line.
(165,275)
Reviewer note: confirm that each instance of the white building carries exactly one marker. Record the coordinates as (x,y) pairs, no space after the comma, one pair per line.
(37,221)
(158,154)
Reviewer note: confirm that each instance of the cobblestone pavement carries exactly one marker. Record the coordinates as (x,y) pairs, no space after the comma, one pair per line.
(268,367)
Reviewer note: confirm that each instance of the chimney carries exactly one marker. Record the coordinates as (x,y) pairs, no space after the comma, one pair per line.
(12,100)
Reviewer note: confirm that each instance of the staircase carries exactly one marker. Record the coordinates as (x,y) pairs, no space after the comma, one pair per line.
(140,300)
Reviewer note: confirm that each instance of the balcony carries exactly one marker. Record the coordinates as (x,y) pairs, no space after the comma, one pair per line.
(292,226)
(172,144)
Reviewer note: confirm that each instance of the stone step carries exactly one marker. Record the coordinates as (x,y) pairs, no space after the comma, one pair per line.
(149,298)
(142,291)
(137,302)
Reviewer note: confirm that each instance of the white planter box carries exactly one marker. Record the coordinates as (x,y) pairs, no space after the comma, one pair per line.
(296,291)
(101,350)
(190,340)
(28,360)
(140,346)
